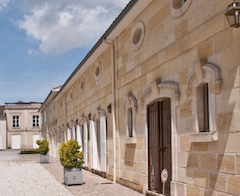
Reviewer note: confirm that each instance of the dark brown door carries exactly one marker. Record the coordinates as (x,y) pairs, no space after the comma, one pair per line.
(159,145)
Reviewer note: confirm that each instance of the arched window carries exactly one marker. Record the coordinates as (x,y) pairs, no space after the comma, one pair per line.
(130,111)
(202,86)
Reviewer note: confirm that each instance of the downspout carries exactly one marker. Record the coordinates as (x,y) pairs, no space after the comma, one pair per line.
(113,110)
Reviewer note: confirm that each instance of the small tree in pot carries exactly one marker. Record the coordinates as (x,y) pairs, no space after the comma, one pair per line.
(72,160)
(43,150)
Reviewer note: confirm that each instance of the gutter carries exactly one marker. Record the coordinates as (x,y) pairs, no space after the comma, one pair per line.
(113,111)
(115,23)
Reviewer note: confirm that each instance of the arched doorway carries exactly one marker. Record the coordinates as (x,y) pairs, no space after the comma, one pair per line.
(159,145)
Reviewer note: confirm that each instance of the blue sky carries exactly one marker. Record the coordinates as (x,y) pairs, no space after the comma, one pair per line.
(43,41)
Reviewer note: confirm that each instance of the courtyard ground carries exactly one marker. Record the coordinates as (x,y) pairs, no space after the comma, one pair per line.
(23,175)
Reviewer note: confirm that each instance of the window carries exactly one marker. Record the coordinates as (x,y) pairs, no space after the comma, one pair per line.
(203,107)
(15,121)
(35,121)
(202,87)
(130,111)
(137,35)
(98,71)
(177,4)
(179,7)
(130,122)
(206,108)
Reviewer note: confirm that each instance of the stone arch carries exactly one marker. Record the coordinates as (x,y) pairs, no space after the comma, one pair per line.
(159,90)
(204,73)
(211,74)
(130,111)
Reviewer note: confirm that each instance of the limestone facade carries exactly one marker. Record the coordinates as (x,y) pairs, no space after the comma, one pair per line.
(23,124)
(49,118)
(181,56)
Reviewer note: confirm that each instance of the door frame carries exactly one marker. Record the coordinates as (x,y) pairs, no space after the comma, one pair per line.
(159,91)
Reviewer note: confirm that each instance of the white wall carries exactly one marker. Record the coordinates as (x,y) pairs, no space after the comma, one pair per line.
(3,132)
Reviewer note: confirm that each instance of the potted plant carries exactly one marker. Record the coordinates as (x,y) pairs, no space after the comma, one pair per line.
(72,160)
(43,150)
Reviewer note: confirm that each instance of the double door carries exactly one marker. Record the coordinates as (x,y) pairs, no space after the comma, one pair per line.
(159,145)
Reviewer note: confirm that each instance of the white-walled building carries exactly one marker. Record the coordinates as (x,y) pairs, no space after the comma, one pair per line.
(23,124)
(3,129)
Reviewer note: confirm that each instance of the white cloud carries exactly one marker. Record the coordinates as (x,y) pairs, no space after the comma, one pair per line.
(63,25)
(3,4)
(31,52)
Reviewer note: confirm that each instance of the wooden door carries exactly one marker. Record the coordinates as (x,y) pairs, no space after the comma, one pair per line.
(159,145)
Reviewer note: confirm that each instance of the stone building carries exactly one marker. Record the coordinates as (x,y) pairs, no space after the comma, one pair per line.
(49,116)
(160,89)
(23,124)
(3,128)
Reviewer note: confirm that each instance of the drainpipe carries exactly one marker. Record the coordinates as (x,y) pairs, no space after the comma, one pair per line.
(113,111)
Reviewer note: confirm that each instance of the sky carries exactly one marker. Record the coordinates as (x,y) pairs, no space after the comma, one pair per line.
(43,41)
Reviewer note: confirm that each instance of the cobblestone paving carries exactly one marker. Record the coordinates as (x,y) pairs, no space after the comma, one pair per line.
(24,175)
(92,184)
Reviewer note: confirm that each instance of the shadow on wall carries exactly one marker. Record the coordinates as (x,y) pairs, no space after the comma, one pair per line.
(207,162)
(129,155)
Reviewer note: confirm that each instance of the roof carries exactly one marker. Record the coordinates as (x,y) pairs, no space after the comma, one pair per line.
(21,105)
(51,94)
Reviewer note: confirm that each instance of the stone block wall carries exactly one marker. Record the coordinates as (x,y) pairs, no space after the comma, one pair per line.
(179,49)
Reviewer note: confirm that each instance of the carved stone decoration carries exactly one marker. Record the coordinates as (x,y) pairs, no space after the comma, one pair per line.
(73,122)
(206,70)
(54,120)
(54,131)
(51,132)
(130,101)
(216,72)
(84,119)
(160,89)
(44,134)
(99,113)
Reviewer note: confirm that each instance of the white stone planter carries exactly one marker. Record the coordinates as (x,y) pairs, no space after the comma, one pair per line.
(44,158)
(72,176)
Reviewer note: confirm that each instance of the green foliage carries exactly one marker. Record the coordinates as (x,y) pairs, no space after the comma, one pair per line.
(70,156)
(43,146)
(29,152)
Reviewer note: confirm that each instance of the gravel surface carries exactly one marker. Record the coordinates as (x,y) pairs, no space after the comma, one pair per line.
(21,176)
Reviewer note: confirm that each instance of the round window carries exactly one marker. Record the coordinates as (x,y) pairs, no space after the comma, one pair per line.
(180,7)
(82,85)
(71,94)
(178,3)
(137,35)
(98,71)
